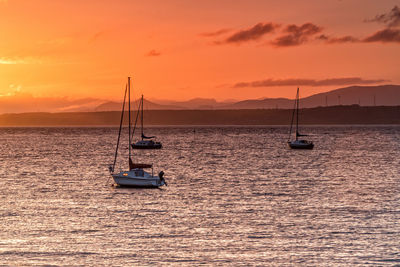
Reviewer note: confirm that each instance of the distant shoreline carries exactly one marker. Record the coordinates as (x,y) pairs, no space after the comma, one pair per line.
(197,126)
(332,115)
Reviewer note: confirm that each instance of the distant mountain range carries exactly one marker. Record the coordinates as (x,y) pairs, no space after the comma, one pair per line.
(193,104)
(148,105)
(383,95)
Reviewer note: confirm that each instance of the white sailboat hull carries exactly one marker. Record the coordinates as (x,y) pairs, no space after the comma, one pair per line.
(137,178)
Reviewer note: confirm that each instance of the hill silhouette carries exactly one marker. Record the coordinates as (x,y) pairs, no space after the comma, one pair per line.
(148,105)
(353,114)
(382,95)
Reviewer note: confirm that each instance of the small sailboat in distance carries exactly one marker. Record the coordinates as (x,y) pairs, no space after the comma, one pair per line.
(136,176)
(298,143)
(146,142)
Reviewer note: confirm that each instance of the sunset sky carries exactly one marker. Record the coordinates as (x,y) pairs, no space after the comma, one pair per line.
(183,49)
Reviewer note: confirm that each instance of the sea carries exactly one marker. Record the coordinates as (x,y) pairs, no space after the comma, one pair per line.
(236,196)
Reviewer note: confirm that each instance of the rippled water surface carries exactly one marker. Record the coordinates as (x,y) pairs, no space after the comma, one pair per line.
(235,196)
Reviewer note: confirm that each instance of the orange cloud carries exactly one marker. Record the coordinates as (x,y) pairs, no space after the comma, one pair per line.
(385,36)
(253,33)
(216,33)
(338,40)
(153,53)
(392,18)
(307,82)
(297,35)
(294,35)
(391,34)
(19,102)
(18,61)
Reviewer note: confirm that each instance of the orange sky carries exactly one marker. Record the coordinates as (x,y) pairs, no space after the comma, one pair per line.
(182,49)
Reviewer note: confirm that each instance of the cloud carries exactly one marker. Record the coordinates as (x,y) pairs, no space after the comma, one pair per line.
(296,35)
(18,61)
(18,101)
(41,51)
(307,82)
(391,34)
(153,53)
(8,61)
(384,36)
(252,34)
(391,19)
(216,33)
(338,40)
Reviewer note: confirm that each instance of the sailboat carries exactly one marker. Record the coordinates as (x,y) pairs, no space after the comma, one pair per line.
(298,143)
(135,176)
(146,142)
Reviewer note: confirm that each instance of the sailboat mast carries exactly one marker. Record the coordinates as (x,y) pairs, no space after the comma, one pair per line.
(119,132)
(297,111)
(142,117)
(129,117)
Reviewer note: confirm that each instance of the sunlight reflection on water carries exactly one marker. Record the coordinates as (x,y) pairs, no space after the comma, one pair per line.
(236,195)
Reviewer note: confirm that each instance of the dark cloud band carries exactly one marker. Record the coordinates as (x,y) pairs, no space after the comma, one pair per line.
(253,33)
(153,53)
(307,82)
(385,36)
(391,19)
(296,35)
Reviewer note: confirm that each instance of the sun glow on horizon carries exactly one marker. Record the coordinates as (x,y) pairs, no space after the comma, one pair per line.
(184,50)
